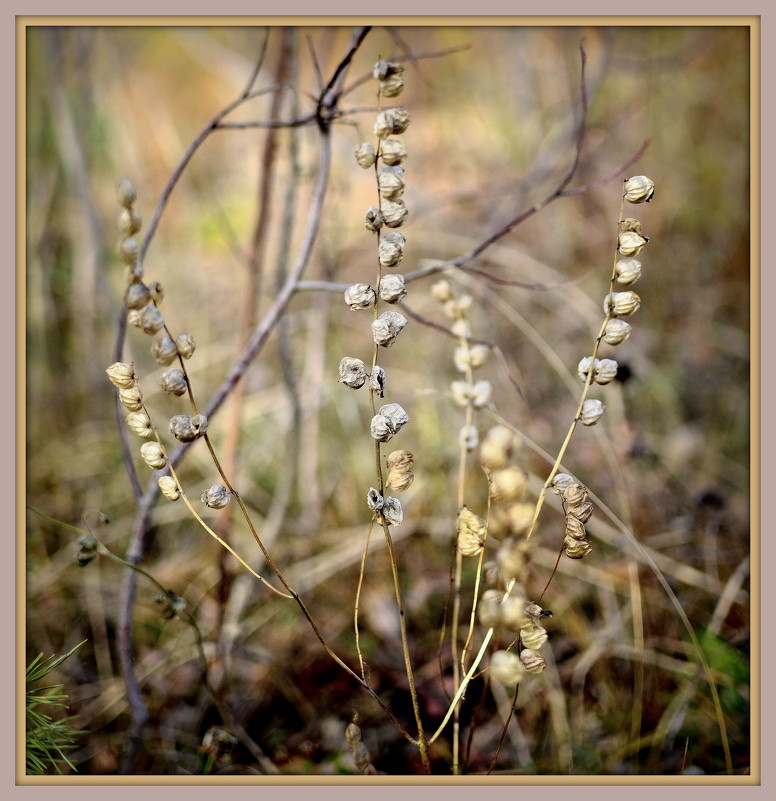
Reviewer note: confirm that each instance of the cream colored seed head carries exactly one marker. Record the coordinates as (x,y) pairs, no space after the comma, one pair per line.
(139,423)
(121,375)
(387,327)
(520,517)
(216,497)
(169,488)
(392,288)
(498,447)
(592,410)
(532,660)
(173,381)
(393,152)
(153,455)
(577,549)
(471,532)
(185,345)
(508,484)
(164,350)
(131,398)
(394,213)
(360,296)
(352,372)
(125,192)
(616,331)
(506,668)
(639,189)
(365,155)
(605,371)
(628,270)
(533,636)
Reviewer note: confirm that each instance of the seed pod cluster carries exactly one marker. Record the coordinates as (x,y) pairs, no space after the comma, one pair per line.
(471,532)
(578,510)
(400,474)
(516,614)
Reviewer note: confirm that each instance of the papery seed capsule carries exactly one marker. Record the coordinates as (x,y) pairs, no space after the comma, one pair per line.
(513,614)
(520,516)
(470,356)
(628,270)
(512,558)
(169,487)
(480,394)
(121,375)
(462,328)
(583,511)
(508,484)
(365,155)
(380,428)
(591,412)
(574,494)
(639,189)
(391,121)
(374,500)
(498,447)
(441,291)
(469,437)
(392,512)
(460,393)
(562,480)
(187,427)
(575,528)
(216,497)
(384,69)
(125,192)
(471,532)
(153,455)
(390,182)
(616,331)
(387,327)
(378,380)
(394,213)
(605,371)
(360,296)
(399,480)
(400,460)
(129,250)
(583,368)
(631,243)
(157,291)
(164,350)
(173,381)
(392,288)
(532,661)
(506,668)
(396,414)
(577,549)
(393,151)
(621,303)
(130,221)
(352,372)
(185,345)
(533,636)
(131,398)
(139,423)
(489,608)
(390,251)
(389,74)
(150,320)
(373,219)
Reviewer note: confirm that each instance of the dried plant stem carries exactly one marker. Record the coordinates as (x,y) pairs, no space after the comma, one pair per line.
(358,598)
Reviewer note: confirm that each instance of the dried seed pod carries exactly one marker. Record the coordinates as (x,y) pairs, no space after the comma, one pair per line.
(591,412)
(498,447)
(562,480)
(216,497)
(506,668)
(469,437)
(470,356)
(394,213)
(185,345)
(399,480)
(508,483)
(489,608)
(605,371)
(387,327)
(520,517)
(396,414)
(471,532)
(533,636)
(513,614)
(616,331)
(459,390)
(149,318)
(131,398)
(618,303)
(390,182)
(582,511)
(577,549)
(442,291)
(378,380)
(392,288)
(153,455)
(400,460)
(164,350)
(392,512)
(373,219)
(628,270)
(361,760)
(173,381)
(360,296)
(575,528)
(384,69)
(380,428)
(130,221)
(462,328)
(139,423)
(574,495)
(187,427)
(393,151)
(121,375)
(365,155)
(137,295)
(639,189)
(390,122)
(169,488)
(390,251)
(389,74)
(125,192)
(583,368)
(157,292)
(480,394)
(129,250)
(352,372)
(532,660)
(631,243)
(512,558)
(374,500)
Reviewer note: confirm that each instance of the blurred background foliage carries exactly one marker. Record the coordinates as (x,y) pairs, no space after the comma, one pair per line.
(493,130)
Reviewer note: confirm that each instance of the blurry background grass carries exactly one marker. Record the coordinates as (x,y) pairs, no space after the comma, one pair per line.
(492,131)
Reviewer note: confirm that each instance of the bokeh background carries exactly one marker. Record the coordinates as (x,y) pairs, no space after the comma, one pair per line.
(495,112)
